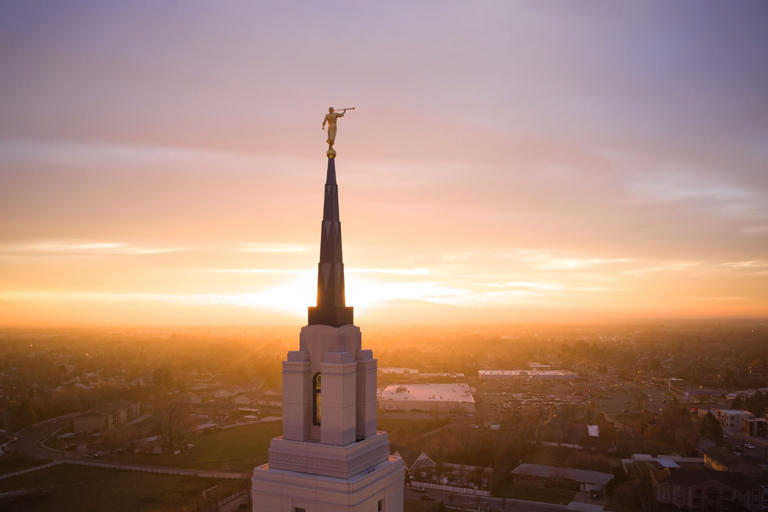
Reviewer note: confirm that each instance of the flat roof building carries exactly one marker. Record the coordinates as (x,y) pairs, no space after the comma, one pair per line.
(533,373)
(587,480)
(427,397)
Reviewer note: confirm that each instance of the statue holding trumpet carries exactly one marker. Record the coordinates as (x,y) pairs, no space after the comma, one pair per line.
(331,118)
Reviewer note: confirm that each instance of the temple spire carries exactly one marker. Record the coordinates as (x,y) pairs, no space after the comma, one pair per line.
(331,308)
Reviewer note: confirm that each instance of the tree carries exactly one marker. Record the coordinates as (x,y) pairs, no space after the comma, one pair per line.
(507,459)
(757,404)
(163,376)
(118,437)
(711,429)
(673,429)
(174,420)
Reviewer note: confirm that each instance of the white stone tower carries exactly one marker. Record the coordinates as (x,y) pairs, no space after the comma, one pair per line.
(330,457)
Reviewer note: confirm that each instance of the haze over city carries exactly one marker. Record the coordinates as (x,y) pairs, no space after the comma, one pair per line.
(551,293)
(161,163)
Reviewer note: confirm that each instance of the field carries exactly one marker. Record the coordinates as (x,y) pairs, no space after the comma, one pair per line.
(68,488)
(236,449)
(12,463)
(635,420)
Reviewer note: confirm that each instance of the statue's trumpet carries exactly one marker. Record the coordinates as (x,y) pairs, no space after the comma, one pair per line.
(345,109)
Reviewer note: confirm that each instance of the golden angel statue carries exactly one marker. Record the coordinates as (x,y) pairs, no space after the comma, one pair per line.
(331,118)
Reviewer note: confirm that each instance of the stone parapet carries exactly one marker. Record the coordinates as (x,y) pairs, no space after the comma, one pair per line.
(277,490)
(329,460)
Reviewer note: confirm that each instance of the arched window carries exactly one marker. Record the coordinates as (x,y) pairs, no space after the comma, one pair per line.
(316,399)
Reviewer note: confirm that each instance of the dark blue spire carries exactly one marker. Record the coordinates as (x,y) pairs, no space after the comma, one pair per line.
(331,308)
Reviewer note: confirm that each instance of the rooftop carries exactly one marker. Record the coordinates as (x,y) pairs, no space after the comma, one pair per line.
(525,373)
(699,476)
(578,475)
(114,406)
(423,461)
(735,412)
(428,392)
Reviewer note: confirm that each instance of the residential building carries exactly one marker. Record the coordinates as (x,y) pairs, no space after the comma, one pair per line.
(731,420)
(581,479)
(755,427)
(104,417)
(707,489)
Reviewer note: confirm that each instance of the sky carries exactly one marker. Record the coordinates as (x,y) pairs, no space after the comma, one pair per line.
(163,162)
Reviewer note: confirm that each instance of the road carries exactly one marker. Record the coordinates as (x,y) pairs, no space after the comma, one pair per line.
(31,437)
(30,444)
(490,504)
(163,470)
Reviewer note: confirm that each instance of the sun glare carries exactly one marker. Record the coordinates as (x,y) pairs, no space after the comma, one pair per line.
(295,295)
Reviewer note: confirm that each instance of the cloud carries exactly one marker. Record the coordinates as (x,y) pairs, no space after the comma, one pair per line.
(455,257)
(755,230)
(673,266)
(97,153)
(295,271)
(686,186)
(576,263)
(394,271)
(83,248)
(523,285)
(354,270)
(748,264)
(545,260)
(364,293)
(724,298)
(292,296)
(273,248)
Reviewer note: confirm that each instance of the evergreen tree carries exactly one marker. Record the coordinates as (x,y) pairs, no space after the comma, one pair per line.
(711,428)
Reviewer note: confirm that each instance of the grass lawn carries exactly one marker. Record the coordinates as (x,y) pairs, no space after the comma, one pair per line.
(550,455)
(418,433)
(11,463)
(636,420)
(67,488)
(549,495)
(402,430)
(233,449)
